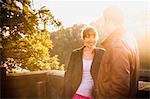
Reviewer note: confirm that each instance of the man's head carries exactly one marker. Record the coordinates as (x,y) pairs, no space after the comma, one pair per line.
(113,17)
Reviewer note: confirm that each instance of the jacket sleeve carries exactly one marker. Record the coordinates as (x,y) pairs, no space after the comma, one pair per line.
(67,78)
(119,72)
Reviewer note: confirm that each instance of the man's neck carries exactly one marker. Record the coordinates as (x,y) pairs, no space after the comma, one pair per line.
(112,28)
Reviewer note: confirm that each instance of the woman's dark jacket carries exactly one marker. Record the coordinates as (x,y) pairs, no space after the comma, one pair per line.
(73,75)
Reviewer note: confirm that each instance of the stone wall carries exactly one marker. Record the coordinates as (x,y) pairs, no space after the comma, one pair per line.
(44,85)
(34,85)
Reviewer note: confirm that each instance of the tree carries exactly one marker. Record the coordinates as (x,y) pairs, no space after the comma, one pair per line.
(65,41)
(46,17)
(22,40)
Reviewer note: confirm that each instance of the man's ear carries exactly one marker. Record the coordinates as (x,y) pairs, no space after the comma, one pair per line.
(108,20)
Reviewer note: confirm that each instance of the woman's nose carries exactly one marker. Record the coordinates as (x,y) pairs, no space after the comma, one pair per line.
(92,39)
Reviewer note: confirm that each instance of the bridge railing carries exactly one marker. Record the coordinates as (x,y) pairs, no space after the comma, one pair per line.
(46,85)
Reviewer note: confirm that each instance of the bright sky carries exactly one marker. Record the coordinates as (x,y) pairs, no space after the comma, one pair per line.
(86,11)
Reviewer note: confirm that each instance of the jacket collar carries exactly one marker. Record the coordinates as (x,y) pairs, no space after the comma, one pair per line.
(81,56)
(82,48)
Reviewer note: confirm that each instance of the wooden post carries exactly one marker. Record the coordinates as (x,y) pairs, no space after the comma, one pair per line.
(2,80)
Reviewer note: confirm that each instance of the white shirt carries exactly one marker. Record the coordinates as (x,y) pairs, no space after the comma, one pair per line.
(86,85)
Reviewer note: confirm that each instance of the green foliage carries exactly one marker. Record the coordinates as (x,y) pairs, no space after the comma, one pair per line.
(21,38)
(13,66)
(37,47)
(47,18)
(18,16)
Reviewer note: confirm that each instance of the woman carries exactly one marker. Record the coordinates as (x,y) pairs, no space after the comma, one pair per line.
(81,74)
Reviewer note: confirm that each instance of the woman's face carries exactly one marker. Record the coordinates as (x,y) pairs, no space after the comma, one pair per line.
(90,41)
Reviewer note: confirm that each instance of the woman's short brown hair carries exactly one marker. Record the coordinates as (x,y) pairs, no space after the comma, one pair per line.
(89,31)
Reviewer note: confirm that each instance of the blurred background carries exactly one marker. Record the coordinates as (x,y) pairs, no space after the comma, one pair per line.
(40,35)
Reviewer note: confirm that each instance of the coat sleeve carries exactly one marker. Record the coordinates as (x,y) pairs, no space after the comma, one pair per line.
(67,78)
(119,72)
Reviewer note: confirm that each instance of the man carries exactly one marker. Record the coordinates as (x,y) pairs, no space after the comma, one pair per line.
(118,73)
